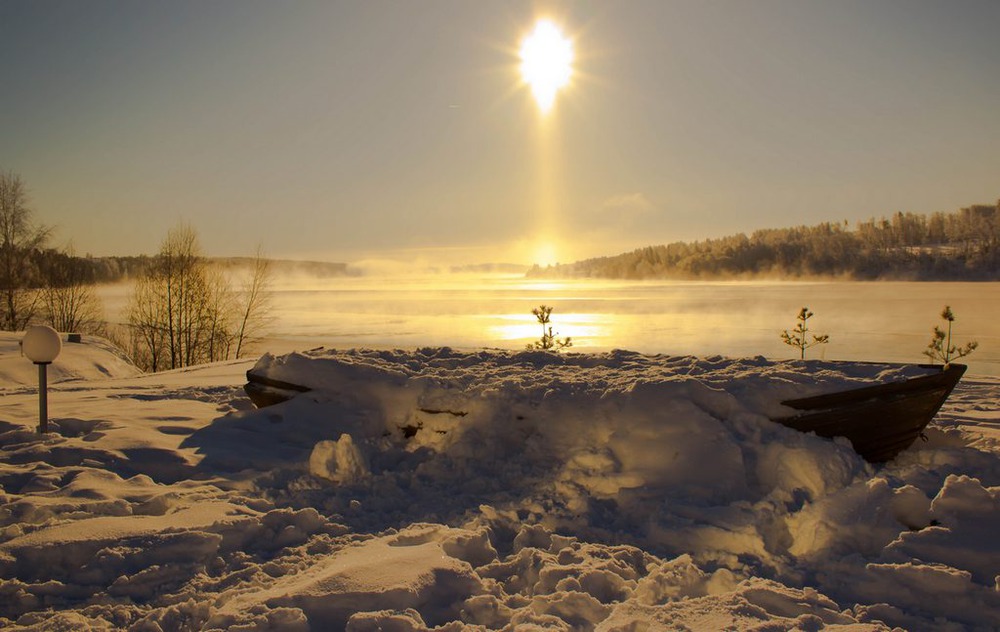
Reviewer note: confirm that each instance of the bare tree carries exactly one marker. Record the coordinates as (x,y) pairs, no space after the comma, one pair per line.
(256,311)
(218,314)
(183,312)
(147,324)
(194,307)
(69,299)
(169,302)
(20,238)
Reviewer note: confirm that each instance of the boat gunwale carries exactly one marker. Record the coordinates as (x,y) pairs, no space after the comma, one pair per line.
(947,377)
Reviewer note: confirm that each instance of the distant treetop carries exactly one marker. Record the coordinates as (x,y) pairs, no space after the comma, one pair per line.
(964,245)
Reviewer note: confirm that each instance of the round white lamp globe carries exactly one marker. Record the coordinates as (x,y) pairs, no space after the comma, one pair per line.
(41,344)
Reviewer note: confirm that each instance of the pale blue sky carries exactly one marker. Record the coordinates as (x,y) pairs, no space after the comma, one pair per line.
(350,130)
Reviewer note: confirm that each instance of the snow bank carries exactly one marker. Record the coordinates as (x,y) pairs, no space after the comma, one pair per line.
(91,358)
(450,490)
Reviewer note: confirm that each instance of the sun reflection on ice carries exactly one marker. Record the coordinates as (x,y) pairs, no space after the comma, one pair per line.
(586,330)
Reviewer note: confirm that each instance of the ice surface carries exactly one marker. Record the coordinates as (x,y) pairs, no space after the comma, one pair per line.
(451,489)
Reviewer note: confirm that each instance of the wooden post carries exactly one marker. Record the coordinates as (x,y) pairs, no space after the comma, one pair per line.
(43,398)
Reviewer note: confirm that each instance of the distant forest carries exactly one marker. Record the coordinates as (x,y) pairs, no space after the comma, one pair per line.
(959,246)
(52,263)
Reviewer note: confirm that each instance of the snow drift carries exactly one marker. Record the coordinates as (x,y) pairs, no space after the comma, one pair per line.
(450,489)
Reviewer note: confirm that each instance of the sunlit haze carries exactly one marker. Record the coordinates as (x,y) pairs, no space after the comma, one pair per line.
(406,132)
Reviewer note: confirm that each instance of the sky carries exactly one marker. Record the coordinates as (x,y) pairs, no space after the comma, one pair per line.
(402,131)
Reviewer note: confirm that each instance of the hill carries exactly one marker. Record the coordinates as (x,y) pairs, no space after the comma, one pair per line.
(964,245)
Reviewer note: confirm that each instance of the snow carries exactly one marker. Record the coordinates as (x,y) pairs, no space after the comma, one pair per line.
(96,358)
(454,490)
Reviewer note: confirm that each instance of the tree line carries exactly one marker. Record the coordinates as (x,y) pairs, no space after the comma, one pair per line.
(963,245)
(181,310)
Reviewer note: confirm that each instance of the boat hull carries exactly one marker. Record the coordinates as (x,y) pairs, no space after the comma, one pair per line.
(264,391)
(880,421)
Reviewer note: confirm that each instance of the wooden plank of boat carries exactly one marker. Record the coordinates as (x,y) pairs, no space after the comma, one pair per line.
(264,391)
(880,421)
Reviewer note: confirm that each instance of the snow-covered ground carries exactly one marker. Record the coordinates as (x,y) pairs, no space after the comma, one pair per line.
(484,490)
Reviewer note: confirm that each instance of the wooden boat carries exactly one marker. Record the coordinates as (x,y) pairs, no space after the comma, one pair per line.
(880,421)
(264,391)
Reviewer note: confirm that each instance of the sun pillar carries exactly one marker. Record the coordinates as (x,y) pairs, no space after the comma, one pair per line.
(546,66)
(546,239)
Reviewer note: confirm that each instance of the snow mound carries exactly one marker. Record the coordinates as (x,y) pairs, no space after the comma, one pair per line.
(438,489)
(90,359)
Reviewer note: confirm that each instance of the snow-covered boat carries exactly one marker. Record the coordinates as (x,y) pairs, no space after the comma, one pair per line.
(880,418)
(264,391)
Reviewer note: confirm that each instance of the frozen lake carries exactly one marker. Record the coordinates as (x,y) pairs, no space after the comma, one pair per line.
(887,321)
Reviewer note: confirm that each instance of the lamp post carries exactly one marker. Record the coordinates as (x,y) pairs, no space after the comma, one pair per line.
(42,344)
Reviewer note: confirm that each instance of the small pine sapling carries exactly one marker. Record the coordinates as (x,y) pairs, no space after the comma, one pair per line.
(940,348)
(797,337)
(548,340)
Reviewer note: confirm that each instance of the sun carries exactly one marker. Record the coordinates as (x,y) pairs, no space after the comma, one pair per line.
(546,62)
(545,253)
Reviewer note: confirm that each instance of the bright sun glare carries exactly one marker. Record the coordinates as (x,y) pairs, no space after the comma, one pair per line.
(546,62)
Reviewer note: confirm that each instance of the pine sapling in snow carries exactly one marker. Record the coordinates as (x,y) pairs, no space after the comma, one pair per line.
(940,348)
(548,340)
(797,337)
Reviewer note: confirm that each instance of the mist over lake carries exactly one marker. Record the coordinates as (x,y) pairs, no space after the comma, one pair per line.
(873,321)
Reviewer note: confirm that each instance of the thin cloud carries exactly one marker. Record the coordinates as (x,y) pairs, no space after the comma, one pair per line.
(628,203)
